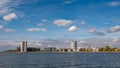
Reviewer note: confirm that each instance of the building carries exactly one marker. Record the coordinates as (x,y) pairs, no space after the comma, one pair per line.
(74,45)
(89,49)
(80,49)
(32,49)
(29,49)
(50,49)
(95,49)
(23,46)
(65,50)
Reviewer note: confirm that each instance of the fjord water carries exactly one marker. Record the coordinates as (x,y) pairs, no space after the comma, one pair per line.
(59,60)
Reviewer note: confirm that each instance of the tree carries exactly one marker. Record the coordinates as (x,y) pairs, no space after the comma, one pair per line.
(107,48)
(101,49)
(113,49)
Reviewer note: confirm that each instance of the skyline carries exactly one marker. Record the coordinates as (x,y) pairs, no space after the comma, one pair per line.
(61,43)
(59,20)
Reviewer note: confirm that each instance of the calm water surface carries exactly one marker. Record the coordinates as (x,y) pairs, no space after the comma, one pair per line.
(59,60)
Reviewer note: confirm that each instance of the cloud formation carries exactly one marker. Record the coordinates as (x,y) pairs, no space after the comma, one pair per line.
(6,6)
(9,17)
(83,42)
(82,23)
(6,30)
(67,2)
(9,30)
(72,28)
(94,31)
(36,29)
(116,40)
(40,24)
(114,29)
(114,4)
(1,27)
(62,22)
(43,20)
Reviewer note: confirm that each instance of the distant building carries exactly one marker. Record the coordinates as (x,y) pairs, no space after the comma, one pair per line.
(23,46)
(50,49)
(89,49)
(95,49)
(65,50)
(81,49)
(74,45)
(29,49)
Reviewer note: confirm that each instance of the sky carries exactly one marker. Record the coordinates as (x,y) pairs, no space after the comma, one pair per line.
(59,19)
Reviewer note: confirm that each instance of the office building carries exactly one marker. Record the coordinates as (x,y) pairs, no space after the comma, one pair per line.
(24,46)
(74,45)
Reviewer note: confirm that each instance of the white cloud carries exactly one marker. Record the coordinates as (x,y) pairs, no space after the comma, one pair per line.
(9,43)
(41,24)
(2,2)
(9,30)
(44,20)
(94,31)
(114,29)
(36,29)
(6,30)
(9,17)
(1,27)
(67,2)
(3,11)
(72,28)
(115,40)
(82,23)
(91,30)
(114,4)
(6,6)
(62,22)
(82,42)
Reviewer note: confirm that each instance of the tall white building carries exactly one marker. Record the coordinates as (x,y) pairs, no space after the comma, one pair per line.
(74,45)
(24,46)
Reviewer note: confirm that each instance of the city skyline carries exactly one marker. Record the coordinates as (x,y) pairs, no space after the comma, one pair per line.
(58,20)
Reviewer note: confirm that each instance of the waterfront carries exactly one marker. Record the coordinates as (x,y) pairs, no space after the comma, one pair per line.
(59,60)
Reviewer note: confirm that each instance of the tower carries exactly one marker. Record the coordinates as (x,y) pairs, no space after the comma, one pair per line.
(24,46)
(74,45)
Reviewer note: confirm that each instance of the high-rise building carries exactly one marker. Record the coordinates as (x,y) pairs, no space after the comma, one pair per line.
(24,46)
(74,45)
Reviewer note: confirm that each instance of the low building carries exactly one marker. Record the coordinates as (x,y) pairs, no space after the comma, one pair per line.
(70,50)
(95,49)
(29,49)
(89,49)
(50,49)
(81,49)
(63,50)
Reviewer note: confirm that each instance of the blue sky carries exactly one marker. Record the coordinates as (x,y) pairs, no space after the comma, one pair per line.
(59,19)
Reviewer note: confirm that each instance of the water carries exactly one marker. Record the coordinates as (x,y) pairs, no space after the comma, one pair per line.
(59,60)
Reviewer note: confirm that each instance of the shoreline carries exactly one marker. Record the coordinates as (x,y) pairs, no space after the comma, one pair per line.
(62,52)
